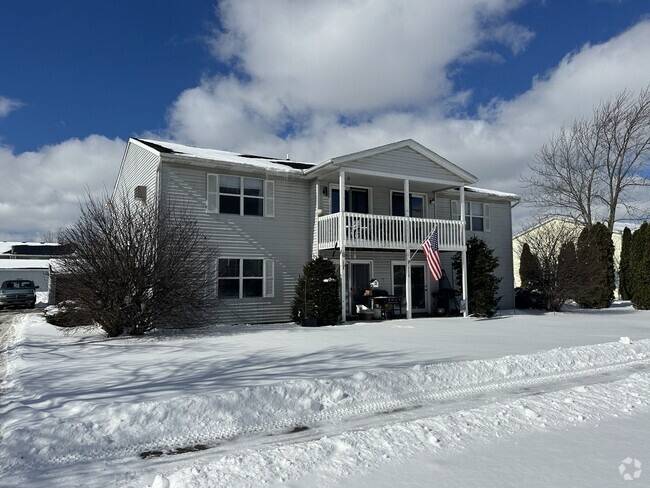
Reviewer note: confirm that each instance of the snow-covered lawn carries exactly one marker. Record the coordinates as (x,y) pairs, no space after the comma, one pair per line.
(365,404)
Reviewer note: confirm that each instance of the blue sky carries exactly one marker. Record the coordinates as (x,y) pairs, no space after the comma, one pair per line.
(482,82)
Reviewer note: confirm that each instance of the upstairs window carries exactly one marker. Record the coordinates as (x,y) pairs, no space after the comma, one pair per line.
(416,205)
(477,215)
(240,195)
(356,200)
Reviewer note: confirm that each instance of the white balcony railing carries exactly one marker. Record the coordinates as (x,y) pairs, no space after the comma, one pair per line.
(388,232)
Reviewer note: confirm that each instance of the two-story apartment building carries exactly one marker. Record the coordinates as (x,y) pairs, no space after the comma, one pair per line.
(269,217)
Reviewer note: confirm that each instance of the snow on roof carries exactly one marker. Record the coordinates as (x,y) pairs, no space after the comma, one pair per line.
(24,264)
(263,162)
(5,246)
(494,193)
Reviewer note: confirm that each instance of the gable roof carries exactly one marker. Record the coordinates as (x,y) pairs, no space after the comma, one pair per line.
(251,160)
(427,153)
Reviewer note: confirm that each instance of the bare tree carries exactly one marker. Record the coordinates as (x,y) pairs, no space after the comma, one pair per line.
(546,240)
(138,266)
(588,171)
(50,236)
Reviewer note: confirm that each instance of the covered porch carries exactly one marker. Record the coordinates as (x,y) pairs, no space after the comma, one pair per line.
(383,199)
(347,232)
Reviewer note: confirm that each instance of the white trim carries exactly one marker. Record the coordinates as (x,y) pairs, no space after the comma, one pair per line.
(214,194)
(268,275)
(397,176)
(269,198)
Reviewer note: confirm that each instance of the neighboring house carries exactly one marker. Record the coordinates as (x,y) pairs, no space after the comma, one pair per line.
(31,261)
(269,217)
(560,225)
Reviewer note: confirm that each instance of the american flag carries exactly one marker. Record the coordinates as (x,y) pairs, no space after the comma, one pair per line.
(430,250)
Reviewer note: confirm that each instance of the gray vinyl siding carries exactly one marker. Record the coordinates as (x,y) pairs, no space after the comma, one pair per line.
(499,238)
(284,238)
(403,162)
(139,168)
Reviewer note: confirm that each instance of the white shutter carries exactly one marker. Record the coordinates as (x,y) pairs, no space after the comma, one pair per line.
(213,193)
(269,278)
(455,213)
(486,217)
(269,199)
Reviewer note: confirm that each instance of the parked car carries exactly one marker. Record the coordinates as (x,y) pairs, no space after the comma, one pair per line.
(18,293)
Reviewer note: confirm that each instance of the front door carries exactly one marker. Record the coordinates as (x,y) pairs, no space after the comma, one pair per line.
(418,285)
(359,280)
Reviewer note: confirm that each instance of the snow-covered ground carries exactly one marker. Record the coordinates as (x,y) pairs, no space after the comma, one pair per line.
(562,399)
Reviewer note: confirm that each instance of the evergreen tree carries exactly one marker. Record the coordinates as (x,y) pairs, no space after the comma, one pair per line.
(594,287)
(640,267)
(317,293)
(530,272)
(624,267)
(567,268)
(482,284)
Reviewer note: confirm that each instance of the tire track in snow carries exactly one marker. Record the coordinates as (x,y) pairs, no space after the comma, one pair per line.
(328,458)
(215,436)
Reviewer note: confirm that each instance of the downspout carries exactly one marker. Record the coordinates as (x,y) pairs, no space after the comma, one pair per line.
(463,253)
(407,248)
(342,244)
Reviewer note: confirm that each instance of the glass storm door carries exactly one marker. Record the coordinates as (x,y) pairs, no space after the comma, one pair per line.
(418,286)
(359,279)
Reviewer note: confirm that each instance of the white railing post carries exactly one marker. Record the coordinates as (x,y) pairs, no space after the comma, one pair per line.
(315,251)
(407,248)
(342,244)
(464,251)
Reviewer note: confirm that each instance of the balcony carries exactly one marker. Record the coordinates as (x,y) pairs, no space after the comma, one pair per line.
(388,232)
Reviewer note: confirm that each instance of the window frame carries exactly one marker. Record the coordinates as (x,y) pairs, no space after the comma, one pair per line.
(214,194)
(267,278)
(411,195)
(469,216)
(335,187)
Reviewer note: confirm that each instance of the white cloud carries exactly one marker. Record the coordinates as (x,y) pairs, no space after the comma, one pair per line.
(515,36)
(8,105)
(316,82)
(344,81)
(41,190)
(351,57)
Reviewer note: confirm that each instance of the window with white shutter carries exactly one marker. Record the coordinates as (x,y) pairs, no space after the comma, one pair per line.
(239,195)
(477,215)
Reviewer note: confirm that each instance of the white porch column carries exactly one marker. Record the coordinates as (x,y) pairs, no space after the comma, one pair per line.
(407,250)
(464,251)
(342,244)
(316,247)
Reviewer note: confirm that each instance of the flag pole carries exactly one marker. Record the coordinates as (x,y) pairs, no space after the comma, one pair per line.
(422,243)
